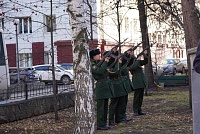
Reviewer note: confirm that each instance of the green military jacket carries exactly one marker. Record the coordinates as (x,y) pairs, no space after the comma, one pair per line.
(118,82)
(138,76)
(103,86)
(126,80)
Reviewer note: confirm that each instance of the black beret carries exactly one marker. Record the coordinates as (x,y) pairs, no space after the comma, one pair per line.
(94,52)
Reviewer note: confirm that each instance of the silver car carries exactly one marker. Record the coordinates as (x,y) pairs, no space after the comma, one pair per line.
(44,73)
(182,66)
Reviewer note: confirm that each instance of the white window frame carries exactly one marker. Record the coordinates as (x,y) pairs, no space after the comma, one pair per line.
(25,59)
(21,25)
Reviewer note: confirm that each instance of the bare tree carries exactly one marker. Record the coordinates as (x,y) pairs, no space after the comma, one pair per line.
(84,108)
(145,40)
(192,30)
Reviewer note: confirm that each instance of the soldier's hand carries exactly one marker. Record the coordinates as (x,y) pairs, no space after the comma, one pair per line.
(145,52)
(107,59)
(120,60)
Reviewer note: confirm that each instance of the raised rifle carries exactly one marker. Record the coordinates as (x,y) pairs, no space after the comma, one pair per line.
(123,56)
(142,53)
(109,53)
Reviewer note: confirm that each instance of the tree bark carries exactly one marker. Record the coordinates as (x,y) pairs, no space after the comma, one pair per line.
(192,32)
(84,104)
(191,23)
(145,40)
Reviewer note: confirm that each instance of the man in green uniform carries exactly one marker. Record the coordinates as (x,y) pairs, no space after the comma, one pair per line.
(103,89)
(126,61)
(139,83)
(117,106)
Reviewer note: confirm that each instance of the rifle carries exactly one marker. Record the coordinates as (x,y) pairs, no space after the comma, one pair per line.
(109,53)
(123,56)
(142,53)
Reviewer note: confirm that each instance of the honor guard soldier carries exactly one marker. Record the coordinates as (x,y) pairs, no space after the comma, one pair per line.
(103,88)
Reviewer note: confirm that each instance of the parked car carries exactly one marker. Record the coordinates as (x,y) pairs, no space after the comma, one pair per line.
(44,73)
(157,70)
(25,75)
(169,66)
(67,66)
(182,66)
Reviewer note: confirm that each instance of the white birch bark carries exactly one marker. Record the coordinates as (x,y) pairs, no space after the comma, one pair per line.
(84,104)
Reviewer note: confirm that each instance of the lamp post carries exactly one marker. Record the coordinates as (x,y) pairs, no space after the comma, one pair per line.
(16,22)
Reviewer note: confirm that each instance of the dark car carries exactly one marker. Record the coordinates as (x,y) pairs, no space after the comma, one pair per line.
(26,75)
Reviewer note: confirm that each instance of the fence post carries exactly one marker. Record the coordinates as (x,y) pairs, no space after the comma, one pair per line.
(26,90)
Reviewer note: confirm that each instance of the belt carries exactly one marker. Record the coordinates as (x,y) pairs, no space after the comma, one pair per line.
(102,80)
(118,78)
(136,74)
(124,76)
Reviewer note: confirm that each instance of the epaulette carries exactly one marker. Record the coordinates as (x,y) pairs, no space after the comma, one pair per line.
(94,66)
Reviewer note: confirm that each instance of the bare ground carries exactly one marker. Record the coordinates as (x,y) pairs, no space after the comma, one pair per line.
(167,111)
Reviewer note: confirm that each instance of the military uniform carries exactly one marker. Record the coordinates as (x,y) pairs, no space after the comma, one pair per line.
(127,85)
(116,107)
(139,83)
(103,91)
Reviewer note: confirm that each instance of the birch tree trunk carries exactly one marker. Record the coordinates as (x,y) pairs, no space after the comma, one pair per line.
(84,104)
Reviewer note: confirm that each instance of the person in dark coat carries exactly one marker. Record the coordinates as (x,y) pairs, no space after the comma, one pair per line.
(103,89)
(196,62)
(139,83)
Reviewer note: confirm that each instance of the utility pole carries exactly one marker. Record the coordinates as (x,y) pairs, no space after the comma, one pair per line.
(16,22)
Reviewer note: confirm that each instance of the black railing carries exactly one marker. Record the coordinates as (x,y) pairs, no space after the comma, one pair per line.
(30,90)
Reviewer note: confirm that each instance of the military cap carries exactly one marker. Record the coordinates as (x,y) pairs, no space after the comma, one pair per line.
(94,52)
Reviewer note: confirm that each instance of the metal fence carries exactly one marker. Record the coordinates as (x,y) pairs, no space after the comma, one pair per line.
(30,90)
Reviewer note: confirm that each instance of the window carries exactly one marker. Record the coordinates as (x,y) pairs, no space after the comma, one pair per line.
(46,57)
(159,39)
(126,25)
(135,24)
(164,39)
(25,25)
(42,68)
(1,23)
(25,59)
(47,21)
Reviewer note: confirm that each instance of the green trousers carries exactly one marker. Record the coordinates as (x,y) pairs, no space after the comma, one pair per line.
(102,111)
(137,100)
(117,109)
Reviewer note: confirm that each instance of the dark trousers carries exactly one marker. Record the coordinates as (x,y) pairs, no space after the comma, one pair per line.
(117,109)
(102,111)
(137,101)
(125,105)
